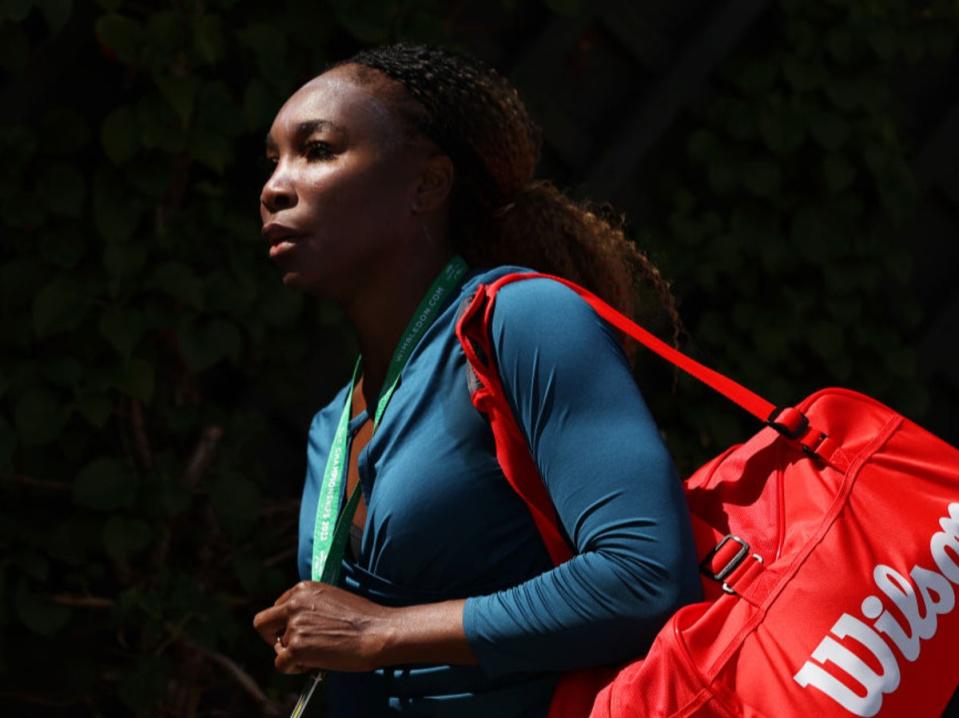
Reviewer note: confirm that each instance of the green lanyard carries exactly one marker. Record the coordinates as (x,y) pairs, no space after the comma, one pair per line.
(331,531)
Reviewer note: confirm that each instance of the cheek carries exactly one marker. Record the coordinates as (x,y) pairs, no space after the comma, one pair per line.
(370,202)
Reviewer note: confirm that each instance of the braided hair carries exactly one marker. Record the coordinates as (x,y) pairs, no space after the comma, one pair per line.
(499,214)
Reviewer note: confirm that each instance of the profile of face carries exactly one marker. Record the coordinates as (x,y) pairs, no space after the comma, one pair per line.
(345,188)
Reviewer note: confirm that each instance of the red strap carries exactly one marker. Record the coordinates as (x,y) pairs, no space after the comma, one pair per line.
(512,450)
(735,392)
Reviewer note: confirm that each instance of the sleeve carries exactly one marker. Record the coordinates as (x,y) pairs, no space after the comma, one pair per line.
(613,484)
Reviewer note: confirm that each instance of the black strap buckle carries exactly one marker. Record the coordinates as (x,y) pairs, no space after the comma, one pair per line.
(797,433)
(730,565)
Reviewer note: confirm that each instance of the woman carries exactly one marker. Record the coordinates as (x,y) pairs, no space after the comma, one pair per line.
(388,169)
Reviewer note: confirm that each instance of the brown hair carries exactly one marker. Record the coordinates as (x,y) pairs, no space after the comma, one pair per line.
(499,213)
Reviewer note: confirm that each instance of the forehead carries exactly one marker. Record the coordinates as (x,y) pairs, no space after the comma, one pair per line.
(334,101)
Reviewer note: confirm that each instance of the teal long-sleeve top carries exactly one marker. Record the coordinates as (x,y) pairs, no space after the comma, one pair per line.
(443,523)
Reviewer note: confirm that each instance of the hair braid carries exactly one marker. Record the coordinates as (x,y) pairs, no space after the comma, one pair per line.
(499,213)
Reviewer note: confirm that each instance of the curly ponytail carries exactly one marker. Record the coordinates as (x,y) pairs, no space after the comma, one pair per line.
(499,213)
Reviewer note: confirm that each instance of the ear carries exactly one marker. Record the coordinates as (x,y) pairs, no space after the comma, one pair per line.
(434,184)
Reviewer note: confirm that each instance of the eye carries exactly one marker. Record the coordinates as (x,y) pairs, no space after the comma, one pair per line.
(317,150)
(268,164)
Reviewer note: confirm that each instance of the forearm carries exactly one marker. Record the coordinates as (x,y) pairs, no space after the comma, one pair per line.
(430,633)
(588,611)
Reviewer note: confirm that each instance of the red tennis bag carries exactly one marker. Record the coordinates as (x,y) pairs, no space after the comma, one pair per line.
(829,544)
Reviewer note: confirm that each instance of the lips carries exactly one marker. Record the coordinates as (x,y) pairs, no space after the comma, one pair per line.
(275,233)
(282,239)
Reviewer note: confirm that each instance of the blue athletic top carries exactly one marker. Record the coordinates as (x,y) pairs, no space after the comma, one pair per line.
(443,523)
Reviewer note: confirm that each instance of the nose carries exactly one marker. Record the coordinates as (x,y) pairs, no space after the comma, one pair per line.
(278,192)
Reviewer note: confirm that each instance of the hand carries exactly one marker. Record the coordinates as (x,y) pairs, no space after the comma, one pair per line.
(322,626)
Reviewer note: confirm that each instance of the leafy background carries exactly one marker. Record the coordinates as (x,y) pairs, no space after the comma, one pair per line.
(157,380)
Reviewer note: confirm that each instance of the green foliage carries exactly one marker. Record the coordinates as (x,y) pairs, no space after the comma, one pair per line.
(143,324)
(39,613)
(781,233)
(105,484)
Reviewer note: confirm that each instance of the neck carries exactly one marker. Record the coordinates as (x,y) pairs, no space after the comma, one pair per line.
(381,310)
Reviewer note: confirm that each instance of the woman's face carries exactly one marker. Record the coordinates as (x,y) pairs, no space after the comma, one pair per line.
(339,198)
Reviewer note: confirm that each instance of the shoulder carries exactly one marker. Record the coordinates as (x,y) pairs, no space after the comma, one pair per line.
(539,301)
(540,322)
(488,275)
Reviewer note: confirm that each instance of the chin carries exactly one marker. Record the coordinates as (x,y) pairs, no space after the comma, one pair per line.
(295,280)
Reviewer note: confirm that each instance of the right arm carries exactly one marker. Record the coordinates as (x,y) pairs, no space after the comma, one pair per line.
(611,480)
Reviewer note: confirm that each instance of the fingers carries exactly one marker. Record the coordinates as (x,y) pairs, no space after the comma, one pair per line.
(286,661)
(286,657)
(298,588)
(271,622)
(276,623)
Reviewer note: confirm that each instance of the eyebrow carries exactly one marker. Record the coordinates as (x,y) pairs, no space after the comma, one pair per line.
(306,128)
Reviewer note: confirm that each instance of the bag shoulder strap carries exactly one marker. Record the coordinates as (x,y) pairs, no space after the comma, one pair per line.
(473,331)
(735,392)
